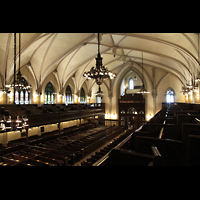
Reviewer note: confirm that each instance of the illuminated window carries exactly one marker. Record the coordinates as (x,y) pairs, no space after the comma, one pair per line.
(130,84)
(26,98)
(82,96)
(170,96)
(16,97)
(99,99)
(23,96)
(68,95)
(49,94)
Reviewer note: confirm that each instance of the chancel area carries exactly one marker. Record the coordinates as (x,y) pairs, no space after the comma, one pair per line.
(99,99)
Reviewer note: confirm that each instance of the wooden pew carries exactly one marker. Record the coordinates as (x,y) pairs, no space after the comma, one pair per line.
(20,158)
(9,161)
(172,151)
(190,132)
(121,157)
(194,150)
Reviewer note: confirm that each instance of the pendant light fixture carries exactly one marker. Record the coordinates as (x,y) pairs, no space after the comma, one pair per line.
(192,85)
(13,121)
(99,93)
(101,72)
(143,90)
(18,84)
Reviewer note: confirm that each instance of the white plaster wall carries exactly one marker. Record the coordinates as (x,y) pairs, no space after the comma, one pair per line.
(169,81)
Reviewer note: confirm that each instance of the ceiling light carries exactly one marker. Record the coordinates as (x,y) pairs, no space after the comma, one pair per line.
(101,72)
(143,90)
(99,92)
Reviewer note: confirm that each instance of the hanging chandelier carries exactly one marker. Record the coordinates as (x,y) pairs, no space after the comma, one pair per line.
(99,93)
(18,84)
(192,86)
(101,72)
(13,121)
(143,90)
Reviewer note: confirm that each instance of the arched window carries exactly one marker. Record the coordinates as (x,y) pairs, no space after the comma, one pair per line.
(49,94)
(16,97)
(170,96)
(68,95)
(130,84)
(82,96)
(22,96)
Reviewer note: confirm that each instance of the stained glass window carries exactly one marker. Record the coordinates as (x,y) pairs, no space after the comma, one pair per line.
(49,94)
(82,96)
(68,95)
(22,96)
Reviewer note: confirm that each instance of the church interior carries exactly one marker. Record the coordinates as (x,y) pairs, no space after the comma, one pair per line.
(99,99)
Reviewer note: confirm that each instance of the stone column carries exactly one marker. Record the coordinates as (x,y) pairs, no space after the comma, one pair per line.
(154,93)
(3,98)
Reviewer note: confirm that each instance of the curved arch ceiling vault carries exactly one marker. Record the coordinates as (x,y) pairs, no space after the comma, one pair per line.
(69,54)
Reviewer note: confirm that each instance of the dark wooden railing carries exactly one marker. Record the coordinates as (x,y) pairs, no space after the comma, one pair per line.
(52,113)
(51,118)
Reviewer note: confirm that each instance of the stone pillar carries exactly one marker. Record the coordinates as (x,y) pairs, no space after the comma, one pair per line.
(39,100)
(4,98)
(154,93)
(193,96)
(110,106)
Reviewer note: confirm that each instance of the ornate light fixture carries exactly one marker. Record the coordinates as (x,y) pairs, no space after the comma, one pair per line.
(143,90)
(100,72)
(192,86)
(184,90)
(13,121)
(99,93)
(18,84)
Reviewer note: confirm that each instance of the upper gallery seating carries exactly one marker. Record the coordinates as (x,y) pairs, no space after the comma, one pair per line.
(56,112)
(171,137)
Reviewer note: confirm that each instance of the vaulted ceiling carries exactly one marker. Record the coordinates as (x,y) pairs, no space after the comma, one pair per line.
(71,54)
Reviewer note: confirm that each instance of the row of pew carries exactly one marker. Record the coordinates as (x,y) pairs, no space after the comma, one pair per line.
(101,154)
(170,138)
(33,157)
(56,149)
(75,147)
(18,148)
